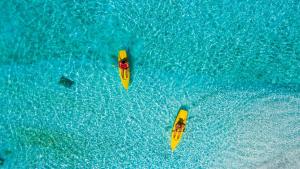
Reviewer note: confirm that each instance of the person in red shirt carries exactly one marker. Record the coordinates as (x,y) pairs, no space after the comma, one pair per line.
(123,64)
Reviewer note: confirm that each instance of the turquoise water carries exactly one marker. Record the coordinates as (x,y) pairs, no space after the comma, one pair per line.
(234,64)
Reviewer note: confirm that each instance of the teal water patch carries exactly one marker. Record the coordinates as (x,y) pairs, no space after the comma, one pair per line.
(35,30)
(96,123)
(232,40)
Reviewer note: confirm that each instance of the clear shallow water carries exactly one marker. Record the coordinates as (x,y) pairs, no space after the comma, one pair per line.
(96,123)
(234,65)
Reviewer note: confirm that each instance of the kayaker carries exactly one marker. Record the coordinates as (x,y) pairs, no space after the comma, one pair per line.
(123,64)
(179,127)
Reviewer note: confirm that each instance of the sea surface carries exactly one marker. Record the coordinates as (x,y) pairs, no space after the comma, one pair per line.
(235,65)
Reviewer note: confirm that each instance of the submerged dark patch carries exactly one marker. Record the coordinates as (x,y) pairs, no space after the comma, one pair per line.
(66,82)
(61,143)
(7,152)
(1,161)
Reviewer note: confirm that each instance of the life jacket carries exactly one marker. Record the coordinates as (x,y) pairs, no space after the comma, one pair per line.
(123,65)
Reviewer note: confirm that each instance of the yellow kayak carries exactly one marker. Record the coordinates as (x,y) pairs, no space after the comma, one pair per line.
(124,73)
(177,132)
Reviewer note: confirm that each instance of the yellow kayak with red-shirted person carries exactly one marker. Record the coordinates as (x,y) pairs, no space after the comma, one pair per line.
(124,70)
